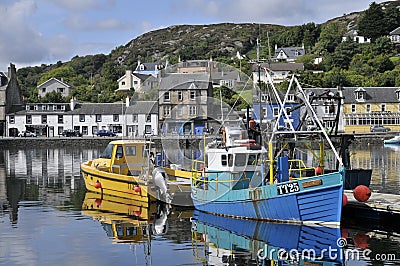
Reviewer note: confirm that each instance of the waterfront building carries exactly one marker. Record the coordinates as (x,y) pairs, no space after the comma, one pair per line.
(366,106)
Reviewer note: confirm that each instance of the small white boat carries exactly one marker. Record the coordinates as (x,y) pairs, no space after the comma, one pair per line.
(394,140)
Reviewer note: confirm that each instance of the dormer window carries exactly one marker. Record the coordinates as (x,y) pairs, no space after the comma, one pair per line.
(141,67)
(290,98)
(360,95)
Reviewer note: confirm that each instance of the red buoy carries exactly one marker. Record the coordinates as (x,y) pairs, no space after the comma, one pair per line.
(137,213)
(344,200)
(137,189)
(97,202)
(318,170)
(97,185)
(361,240)
(362,193)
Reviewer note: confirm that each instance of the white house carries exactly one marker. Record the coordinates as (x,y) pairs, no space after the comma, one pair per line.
(150,68)
(288,54)
(278,71)
(56,85)
(353,34)
(136,81)
(394,35)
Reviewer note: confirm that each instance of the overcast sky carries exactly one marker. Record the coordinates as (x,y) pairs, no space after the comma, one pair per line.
(46,31)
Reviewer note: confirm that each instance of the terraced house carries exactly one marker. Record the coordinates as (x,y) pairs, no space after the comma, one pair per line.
(366,106)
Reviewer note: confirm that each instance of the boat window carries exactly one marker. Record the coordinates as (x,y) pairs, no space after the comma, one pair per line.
(240,159)
(131,231)
(107,152)
(252,159)
(120,152)
(230,159)
(130,150)
(224,161)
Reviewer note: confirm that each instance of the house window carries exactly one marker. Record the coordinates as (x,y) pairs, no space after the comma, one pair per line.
(44,119)
(166,96)
(54,107)
(123,83)
(134,118)
(63,107)
(81,118)
(135,82)
(44,107)
(148,118)
(43,90)
(180,110)
(61,90)
(192,110)
(27,108)
(180,96)
(115,117)
(276,111)
(353,108)
(11,119)
(60,119)
(166,110)
(60,130)
(290,98)
(98,118)
(84,130)
(141,67)
(147,129)
(383,107)
(36,108)
(29,119)
(192,95)
(94,130)
(368,108)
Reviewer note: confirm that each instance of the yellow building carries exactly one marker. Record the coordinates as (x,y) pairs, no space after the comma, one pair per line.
(367,106)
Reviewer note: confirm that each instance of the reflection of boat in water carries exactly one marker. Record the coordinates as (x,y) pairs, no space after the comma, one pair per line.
(129,221)
(247,242)
(126,169)
(394,140)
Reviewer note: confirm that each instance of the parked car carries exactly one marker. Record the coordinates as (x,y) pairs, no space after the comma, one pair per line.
(105,133)
(379,129)
(71,133)
(26,134)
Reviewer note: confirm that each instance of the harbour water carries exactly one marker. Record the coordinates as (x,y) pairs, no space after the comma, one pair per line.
(48,218)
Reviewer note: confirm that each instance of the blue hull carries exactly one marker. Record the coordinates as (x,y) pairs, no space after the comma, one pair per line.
(319,200)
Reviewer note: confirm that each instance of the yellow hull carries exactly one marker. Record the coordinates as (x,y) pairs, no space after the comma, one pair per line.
(178,173)
(124,186)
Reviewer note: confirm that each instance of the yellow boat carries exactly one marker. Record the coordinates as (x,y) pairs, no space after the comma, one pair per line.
(126,169)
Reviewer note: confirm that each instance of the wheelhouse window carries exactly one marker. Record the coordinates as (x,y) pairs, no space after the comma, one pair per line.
(130,150)
(107,152)
(224,161)
(240,159)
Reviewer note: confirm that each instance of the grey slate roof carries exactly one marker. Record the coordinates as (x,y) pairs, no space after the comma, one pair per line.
(290,51)
(395,31)
(143,107)
(373,94)
(99,108)
(182,81)
(149,66)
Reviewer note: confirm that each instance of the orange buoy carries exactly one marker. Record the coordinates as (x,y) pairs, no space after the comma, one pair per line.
(97,185)
(362,193)
(344,200)
(137,189)
(318,170)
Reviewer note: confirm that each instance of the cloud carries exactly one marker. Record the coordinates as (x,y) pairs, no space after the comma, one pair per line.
(79,23)
(83,5)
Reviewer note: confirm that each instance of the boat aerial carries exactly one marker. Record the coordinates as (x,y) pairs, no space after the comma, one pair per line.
(241,178)
(126,169)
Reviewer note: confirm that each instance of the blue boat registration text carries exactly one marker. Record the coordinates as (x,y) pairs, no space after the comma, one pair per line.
(288,188)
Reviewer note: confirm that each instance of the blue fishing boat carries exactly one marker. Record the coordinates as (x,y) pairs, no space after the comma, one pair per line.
(245,242)
(241,178)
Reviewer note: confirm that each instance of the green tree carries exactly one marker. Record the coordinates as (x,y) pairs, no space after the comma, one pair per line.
(372,23)
(330,37)
(63,72)
(344,53)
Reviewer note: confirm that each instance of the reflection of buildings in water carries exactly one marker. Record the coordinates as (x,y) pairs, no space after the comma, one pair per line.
(48,167)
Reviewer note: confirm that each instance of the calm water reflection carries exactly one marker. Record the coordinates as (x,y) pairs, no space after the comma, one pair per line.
(46,217)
